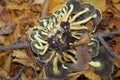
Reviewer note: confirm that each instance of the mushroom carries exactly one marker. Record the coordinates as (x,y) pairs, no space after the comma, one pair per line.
(105,68)
(97,20)
(91,9)
(62,70)
(83,57)
(93,47)
(77,8)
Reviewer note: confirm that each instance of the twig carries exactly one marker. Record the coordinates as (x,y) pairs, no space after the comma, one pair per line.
(101,36)
(15,46)
(18,74)
(45,8)
(35,63)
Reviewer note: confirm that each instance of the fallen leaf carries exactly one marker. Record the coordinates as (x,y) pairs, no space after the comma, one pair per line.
(12,6)
(92,75)
(38,2)
(3,73)
(55,5)
(2,39)
(7,29)
(83,57)
(117,63)
(19,54)
(22,58)
(116,1)
(7,63)
(100,4)
(23,77)
(117,74)
(6,16)
(116,22)
(84,40)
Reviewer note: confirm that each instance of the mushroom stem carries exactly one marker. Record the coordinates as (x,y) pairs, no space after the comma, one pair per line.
(95,64)
(83,21)
(55,67)
(45,49)
(71,9)
(78,28)
(78,14)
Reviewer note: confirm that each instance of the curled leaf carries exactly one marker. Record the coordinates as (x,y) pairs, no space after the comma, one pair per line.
(83,57)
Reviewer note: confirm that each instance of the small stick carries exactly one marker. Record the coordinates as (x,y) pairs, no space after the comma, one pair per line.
(100,37)
(45,8)
(35,63)
(18,74)
(15,46)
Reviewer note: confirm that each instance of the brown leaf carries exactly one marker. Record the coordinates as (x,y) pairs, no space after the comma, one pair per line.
(84,40)
(117,63)
(117,74)
(3,73)
(7,63)
(82,56)
(2,38)
(19,54)
(23,77)
(92,76)
(100,4)
(22,58)
(18,7)
(116,1)
(116,22)
(6,16)
(38,2)
(7,29)
(55,5)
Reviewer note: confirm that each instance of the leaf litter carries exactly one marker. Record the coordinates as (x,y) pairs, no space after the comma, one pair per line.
(17,16)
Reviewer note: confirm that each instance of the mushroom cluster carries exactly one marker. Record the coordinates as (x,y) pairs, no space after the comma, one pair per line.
(63,41)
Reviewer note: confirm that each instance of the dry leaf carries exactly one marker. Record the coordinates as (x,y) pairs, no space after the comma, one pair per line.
(116,22)
(6,16)
(19,54)
(116,1)
(38,2)
(84,40)
(2,39)
(100,4)
(117,63)
(24,6)
(117,74)
(3,73)
(55,5)
(83,57)
(21,57)
(7,63)
(23,77)
(7,29)
(92,75)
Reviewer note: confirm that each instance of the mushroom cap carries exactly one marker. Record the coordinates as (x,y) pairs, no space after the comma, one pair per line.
(107,63)
(76,5)
(50,73)
(91,9)
(95,49)
(42,20)
(97,20)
